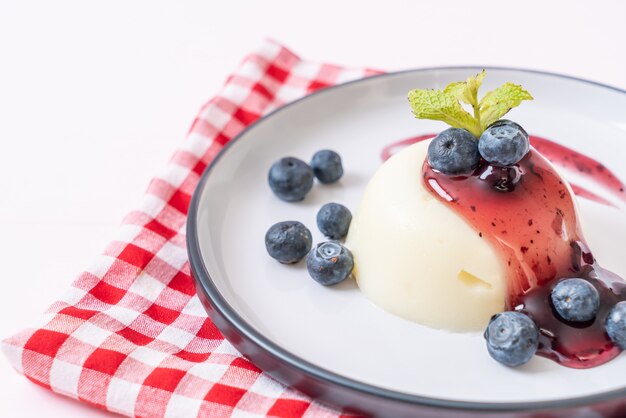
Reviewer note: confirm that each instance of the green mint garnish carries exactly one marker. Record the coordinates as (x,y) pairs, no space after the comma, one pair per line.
(445,105)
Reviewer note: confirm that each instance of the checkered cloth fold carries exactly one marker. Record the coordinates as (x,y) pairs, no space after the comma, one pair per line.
(130,336)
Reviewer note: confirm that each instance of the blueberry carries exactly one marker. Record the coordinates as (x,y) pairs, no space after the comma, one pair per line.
(575,300)
(616,324)
(288,242)
(290,179)
(512,338)
(329,263)
(454,152)
(503,179)
(504,143)
(333,220)
(326,165)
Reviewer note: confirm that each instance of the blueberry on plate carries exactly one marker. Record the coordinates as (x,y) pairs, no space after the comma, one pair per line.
(329,263)
(616,324)
(333,220)
(288,242)
(454,152)
(504,143)
(575,300)
(512,338)
(290,179)
(326,165)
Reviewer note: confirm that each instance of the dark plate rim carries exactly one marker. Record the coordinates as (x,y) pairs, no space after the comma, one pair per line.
(234,320)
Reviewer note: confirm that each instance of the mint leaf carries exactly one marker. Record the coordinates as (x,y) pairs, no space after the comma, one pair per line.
(445,105)
(467,91)
(439,105)
(498,102)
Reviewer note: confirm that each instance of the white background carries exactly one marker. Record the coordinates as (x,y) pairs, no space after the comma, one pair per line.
(94,97)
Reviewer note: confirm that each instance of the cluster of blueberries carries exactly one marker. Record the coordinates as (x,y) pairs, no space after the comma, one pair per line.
(456,151)
(512,337)
(290,241)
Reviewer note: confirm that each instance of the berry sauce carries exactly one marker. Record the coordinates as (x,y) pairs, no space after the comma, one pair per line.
(585,167)
(527,212)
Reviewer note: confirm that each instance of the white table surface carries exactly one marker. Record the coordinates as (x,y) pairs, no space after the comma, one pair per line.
(87,87)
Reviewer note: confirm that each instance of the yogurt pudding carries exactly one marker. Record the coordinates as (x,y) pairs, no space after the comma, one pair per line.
(416,258)
(452,231)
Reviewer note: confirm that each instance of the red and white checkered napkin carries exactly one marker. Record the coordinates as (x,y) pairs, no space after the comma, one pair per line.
(130,336)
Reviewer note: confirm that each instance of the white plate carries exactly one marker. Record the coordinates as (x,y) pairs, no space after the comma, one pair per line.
(337,329)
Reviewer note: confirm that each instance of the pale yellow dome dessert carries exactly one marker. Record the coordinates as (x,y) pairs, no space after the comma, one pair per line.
(416,258)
